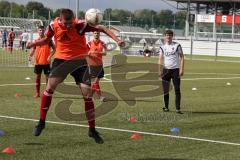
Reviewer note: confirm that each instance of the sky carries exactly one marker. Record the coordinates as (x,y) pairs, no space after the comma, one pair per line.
(132,5)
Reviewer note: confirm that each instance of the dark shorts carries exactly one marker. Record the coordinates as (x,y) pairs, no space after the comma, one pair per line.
(23,43)
(39,68)
(10,44)
(77,68)
(4,41)
(169,74)
(96,71)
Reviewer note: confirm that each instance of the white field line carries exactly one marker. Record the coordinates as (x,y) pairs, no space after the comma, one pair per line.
(127,81)
(107,80)
(189,73)
(183,79)
(127,131)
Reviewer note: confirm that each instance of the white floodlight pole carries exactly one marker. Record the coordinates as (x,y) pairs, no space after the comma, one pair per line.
(77,8)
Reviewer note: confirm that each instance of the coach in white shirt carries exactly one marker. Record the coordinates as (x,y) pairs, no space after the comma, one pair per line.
(171,66)
(25,37)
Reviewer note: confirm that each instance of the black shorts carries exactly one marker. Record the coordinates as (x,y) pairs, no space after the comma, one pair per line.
(77,68)
(96,71)
(169,74)
(23,43)
(10,44)
(39,68)
(4,41)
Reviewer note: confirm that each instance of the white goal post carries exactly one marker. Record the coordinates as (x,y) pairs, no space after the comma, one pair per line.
(17,58)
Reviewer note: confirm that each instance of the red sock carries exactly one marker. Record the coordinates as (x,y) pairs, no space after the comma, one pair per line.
(45,104)
(38,85)
(97,89)
(89,110)
(93,88)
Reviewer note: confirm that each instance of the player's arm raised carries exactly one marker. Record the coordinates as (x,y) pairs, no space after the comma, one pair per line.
(46,40)
(104,29)
(40,42)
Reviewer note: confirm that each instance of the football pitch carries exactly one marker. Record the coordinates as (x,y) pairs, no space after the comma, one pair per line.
(209,129)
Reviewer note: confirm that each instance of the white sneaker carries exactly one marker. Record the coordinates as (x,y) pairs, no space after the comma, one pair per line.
(103,99)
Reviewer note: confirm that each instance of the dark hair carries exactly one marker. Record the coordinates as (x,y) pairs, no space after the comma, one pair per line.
(11,29)
(40,27)
(170,32)
(67,14)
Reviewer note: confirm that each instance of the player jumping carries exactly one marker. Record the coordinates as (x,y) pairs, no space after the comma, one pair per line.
(70,57)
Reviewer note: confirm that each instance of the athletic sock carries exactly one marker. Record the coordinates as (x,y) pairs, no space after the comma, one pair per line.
(45,104)
(38,80)
(97,89)
(89,110)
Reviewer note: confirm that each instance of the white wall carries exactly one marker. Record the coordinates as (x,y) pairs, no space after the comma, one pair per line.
(231,49)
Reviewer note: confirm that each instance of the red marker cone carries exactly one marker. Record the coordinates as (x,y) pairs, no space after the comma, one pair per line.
(132,119)
(135,136)
(9,150)
(18,95)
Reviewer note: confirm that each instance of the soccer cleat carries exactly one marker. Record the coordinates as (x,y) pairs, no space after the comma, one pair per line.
(178,111)
(38,129)
(165,109)
(103,99)
(95,135)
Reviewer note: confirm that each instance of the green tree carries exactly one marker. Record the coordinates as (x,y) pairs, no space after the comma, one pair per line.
(38,9)
(107,13)
(145,17)
(180,19)
(5,8)
(81,14)
(17,10)
(165,18)
(56,13)
(121,15)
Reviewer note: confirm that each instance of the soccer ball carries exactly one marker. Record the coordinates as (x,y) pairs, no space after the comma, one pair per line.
(93,16)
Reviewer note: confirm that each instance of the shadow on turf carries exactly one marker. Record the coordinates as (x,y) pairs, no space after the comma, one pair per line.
(34,144)
(162,159)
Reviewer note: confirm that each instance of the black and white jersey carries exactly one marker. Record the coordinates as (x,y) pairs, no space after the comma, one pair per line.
(171,54)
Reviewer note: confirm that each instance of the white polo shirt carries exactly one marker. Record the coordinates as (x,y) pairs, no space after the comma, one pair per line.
(25,37)
(171,55)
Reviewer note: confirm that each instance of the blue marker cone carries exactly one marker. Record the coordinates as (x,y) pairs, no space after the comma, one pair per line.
(1,133)
(175,130)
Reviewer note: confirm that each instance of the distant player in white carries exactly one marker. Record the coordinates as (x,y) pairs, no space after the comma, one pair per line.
(171,66)
(25,37)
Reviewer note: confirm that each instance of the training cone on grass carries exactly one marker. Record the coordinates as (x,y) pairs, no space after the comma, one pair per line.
(228,84)
(175,130)
(132,119)
(135,136)
(194,89)
(18,95)
(9,150)
(1,133)
(27,78)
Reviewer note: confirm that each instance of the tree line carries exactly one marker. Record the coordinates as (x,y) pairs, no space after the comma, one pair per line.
(145,18)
